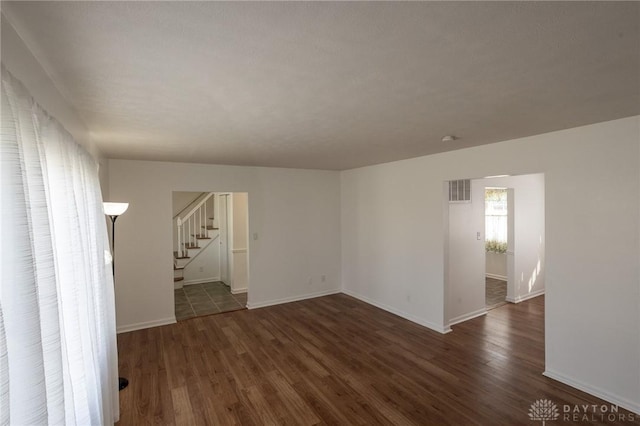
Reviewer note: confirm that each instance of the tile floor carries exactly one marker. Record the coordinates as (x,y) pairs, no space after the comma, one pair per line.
(204,299)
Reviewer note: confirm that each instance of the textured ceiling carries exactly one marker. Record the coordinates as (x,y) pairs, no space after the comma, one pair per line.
(331,85)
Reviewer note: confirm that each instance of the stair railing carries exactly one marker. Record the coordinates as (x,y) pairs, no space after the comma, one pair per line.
(191,225)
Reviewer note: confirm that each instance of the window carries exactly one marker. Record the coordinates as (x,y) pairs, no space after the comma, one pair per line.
(495,220)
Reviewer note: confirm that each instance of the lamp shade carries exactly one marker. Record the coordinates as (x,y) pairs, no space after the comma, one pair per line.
(115,209)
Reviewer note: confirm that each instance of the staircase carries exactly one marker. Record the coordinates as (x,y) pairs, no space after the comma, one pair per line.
(195,230)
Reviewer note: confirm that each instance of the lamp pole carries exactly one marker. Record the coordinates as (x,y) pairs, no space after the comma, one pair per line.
(113,210)
(113,245)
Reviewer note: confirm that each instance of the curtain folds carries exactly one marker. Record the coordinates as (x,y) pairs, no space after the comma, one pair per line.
(58,356)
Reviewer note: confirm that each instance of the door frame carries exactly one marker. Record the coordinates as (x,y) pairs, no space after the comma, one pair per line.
(225,225)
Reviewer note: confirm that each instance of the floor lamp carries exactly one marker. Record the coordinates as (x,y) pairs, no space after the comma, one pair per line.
(113,210)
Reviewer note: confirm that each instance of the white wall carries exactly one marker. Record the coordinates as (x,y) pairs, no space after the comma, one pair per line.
(240,220)
(206,266)
(181,199)
(392,244)
(19,60)
(296,214)
(496,265)
(465,293)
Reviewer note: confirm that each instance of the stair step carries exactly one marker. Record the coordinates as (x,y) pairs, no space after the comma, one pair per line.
(191,246)
(211,228)
(178,268)
(183,257)
(200,236)
(176,279)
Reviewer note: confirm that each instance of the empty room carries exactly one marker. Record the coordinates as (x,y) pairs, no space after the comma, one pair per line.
(266,213)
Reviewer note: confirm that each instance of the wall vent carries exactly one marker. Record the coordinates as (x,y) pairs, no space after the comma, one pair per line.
(460,191)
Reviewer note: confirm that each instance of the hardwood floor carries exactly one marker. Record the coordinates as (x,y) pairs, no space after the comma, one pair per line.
(336,360)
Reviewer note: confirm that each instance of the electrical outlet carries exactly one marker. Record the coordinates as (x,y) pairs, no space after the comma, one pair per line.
(323,278)
(310,280)
(201,269)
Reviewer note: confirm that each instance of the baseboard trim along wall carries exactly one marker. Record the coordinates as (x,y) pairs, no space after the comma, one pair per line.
(497,277)
(146,324)
(466,317)
(525,297)
(239,290)
(384,307)
(292,299)
(201,281)
(602,394)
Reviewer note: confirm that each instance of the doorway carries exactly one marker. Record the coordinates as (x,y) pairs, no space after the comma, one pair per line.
(496,241)
(465,244)
(210,252)
(224,238)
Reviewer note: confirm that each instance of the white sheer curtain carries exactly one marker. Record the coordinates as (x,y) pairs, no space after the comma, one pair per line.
(496,215)
(58,357)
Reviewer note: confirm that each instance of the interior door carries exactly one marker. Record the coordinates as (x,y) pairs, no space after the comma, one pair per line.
(224,240)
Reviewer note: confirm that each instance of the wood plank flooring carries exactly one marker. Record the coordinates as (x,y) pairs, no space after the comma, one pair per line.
(336,360)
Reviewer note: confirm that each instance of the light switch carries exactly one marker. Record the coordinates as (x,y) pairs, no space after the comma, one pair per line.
(479,236)
(255,235)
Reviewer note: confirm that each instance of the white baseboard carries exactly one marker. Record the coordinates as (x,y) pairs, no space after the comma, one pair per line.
(466,317)
(146,324)
(201,281)
(433,326)
(497,277)
(292,299)
(239,290)
(177,285)
(600,393)
(525,297)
